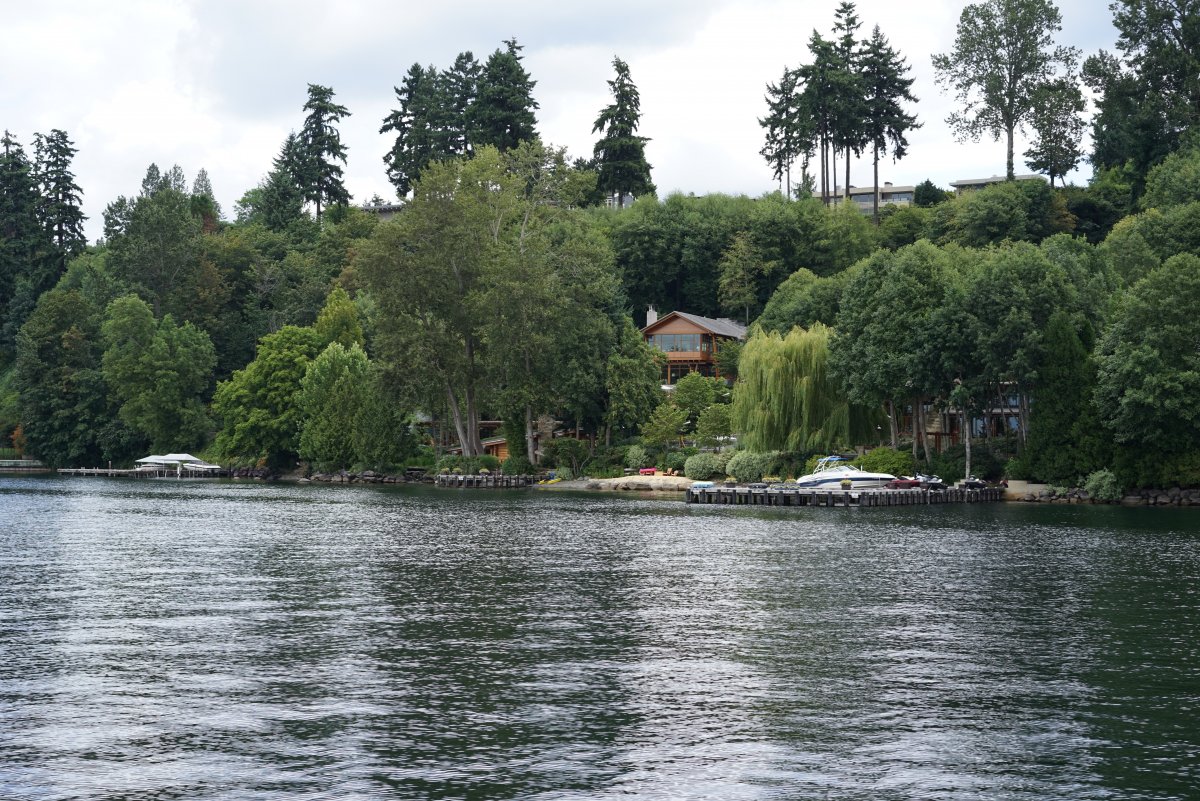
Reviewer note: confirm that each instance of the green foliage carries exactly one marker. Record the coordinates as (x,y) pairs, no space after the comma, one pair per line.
(632,381)
(927,194)
(331,400)
(704,466)
(1003,53)
(675,460)
(1148,363)
(1138,467)
(748,466)
(1175,181)
(903,225)
(1058,127)
(517,465)
(1103,485)
(636,457)
(620,154)
(1066,439)
(67,416)
(950,464)
(787,399)
(320,147)
(665,426)
(259,405)
(566,451)
(714,425)
(338,321)
(564,473)
(503,112)
(159,372)
(693,393)
(888,460)
(802,300)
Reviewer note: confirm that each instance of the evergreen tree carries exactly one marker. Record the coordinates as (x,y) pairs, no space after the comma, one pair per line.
(61,209)
(502,114)
(821,85)
(1066,439)
(282,200)
(620,155)
(885,89)
(24,246)
(1003,51)
(418,127)
(320,146)
(789,130)
(204,202)
(460,87)
(849,102)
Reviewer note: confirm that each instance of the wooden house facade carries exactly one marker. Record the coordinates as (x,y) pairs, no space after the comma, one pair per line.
(691,342)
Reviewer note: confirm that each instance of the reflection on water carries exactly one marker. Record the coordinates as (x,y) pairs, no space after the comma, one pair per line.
(242,641)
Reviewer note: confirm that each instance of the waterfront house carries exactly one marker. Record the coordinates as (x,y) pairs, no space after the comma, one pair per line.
(690,342)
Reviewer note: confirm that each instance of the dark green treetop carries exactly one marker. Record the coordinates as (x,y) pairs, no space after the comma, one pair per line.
(621,154)
(320,147)
(502,114)
(885,88)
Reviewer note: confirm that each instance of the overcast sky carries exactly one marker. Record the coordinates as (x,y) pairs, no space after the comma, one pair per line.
(219,84)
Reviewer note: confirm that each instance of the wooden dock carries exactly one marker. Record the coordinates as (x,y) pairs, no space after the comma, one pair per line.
(116,472)
(483,481)
(784,496)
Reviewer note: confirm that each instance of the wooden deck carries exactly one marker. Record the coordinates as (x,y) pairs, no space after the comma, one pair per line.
(114,472)
(771,496)
(483,482)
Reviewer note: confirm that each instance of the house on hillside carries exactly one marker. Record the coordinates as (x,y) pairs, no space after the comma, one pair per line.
(863,197)
(691,342)
(964,185)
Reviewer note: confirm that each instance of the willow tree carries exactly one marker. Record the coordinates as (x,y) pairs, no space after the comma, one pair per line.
(786,398)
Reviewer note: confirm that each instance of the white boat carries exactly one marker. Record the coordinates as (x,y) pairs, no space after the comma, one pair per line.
(833,470)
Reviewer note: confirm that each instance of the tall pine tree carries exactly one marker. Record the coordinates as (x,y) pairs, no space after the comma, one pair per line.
(502,114)
(320,147)
(886,88)
(621,154)
(24,246)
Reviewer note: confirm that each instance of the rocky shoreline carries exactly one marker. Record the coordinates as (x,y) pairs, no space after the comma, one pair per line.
(1174,496)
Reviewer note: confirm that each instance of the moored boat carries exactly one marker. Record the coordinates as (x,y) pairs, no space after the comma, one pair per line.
(833,470)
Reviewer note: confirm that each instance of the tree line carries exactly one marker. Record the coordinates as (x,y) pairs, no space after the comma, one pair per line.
(505,289)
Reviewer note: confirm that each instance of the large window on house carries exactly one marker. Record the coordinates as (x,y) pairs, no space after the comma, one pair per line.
(676,343)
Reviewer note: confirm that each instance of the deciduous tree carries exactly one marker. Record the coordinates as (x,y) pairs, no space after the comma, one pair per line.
(1003,52)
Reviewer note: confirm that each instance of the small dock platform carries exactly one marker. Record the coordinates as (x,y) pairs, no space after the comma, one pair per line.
(783,496)
(141,472)
(483,481)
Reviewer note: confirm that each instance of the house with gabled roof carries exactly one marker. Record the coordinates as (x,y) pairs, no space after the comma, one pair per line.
(690,342)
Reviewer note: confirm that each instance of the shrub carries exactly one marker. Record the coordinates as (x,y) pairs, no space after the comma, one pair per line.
(563,473)
(516,465)
(449,463)
(566,451)
(487,462)
(888,460)
(704,466)
(748,467)
(1017,469)
(675,461)
(1103,485)
(636,457)
(951,463)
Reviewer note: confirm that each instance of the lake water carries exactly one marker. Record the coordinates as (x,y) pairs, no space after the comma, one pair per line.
(190,640)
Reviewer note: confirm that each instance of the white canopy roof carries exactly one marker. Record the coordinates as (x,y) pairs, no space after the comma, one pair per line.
(171,458)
